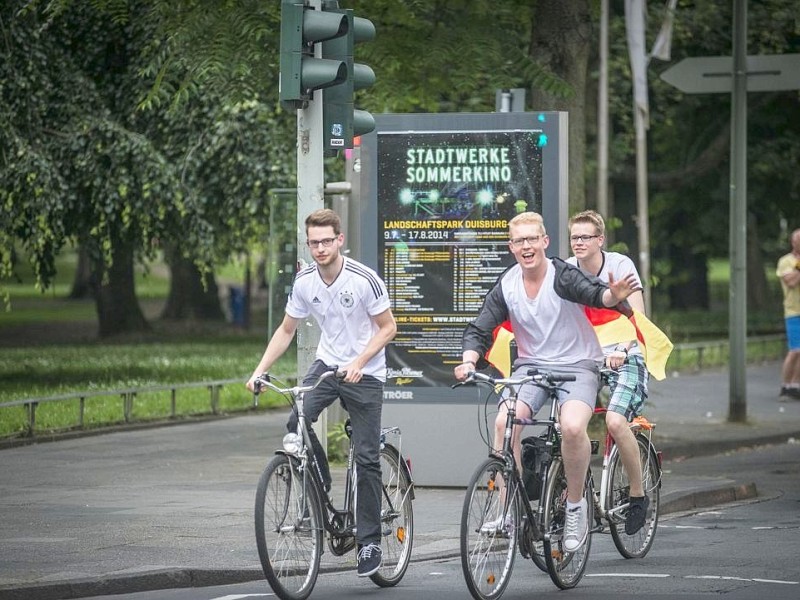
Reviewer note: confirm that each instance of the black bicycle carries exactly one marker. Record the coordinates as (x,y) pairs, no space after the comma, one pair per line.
(498,515)
(294,512)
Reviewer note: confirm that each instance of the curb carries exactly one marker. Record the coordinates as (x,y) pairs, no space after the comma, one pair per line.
(682,450)
(710,497)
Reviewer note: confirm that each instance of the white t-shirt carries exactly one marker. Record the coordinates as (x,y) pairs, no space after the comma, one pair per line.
(343,312)
(552,330)
(620,266)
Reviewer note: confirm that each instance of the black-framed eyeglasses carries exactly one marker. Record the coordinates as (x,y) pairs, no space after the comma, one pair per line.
(520,242)
(325,243)
(582,238)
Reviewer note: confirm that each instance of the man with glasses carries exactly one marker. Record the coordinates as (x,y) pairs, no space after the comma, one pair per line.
(629,377)
(351,305)
(543,298)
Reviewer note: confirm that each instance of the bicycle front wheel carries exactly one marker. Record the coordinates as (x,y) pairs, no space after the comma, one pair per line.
(397,518)
(289,528)
(488,532)
(639,543)
(565,568)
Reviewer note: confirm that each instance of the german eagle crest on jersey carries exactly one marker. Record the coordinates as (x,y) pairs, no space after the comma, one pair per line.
(346,299)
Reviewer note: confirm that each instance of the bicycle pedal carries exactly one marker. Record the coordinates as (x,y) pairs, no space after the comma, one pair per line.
(595,447)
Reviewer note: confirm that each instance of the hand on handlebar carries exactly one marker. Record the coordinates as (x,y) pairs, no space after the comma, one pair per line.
(463,371)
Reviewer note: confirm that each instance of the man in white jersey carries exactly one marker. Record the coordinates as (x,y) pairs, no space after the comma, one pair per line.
(628,381)
(543,298)
(351,305)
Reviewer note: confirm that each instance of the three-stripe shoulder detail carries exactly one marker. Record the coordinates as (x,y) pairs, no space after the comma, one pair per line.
(367,274)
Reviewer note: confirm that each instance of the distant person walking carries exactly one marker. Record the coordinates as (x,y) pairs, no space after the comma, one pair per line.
(789,272)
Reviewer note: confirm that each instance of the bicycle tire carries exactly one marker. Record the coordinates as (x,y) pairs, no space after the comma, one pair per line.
(487,557)
(638,544)
(397,518)
(289,528)
(566,569)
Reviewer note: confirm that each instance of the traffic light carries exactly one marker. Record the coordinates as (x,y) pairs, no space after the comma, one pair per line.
(341,121)
(302,26)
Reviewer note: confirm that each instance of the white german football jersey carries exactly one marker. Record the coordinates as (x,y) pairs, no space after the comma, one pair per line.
(343,312)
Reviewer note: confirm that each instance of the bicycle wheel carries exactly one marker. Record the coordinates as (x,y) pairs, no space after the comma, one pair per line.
(488,532)
(289,528)
(565,568)
(638,544)
(397,518)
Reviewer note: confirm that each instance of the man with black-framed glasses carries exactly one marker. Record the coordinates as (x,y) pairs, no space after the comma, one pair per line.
(629,376)
(543,298)
(351,305)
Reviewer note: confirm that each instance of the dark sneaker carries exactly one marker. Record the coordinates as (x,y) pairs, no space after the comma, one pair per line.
(637,513)
(793,393)
(369,559)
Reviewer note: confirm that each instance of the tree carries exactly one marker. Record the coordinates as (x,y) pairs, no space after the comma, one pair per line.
(690,149)
(82,165)
(562,40)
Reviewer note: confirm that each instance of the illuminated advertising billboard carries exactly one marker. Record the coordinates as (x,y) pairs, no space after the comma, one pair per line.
(444,191)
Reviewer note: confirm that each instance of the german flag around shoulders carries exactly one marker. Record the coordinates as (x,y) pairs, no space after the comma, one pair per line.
(612,327)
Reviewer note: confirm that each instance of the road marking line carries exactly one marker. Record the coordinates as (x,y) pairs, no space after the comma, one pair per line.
(642,575)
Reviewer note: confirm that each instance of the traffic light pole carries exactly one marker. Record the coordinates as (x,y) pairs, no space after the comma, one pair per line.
(310,197)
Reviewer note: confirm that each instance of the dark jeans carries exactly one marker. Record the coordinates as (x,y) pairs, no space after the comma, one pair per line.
(364,402)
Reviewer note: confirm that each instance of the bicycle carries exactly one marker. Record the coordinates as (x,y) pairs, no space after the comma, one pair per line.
(293,512)
(498,517)
(611,500)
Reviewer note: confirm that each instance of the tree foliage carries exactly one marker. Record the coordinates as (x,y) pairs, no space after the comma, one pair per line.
(689,145)
(84,164)
(130,123)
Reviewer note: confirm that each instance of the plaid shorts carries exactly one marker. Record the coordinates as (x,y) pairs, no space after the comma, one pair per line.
(628,387)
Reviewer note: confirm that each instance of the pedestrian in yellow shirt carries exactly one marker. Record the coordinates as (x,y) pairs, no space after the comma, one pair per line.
(789,272)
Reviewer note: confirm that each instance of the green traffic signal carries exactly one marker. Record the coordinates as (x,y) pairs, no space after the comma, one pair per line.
(301,72)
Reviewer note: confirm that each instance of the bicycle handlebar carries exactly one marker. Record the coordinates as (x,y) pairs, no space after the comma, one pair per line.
(265,380)
(546,379)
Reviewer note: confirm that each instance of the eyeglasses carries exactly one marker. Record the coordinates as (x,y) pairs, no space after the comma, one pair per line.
(582,238)
(326,243)
(520,242)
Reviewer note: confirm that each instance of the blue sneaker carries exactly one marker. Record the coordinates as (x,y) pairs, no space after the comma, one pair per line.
(370,558)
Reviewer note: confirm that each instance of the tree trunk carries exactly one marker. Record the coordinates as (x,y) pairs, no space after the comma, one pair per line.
(688,282)
(188,299)
(118,308)
(561,41)
(82,282)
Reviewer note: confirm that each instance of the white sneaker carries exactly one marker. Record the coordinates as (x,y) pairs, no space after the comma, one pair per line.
(497,525)
(576,528)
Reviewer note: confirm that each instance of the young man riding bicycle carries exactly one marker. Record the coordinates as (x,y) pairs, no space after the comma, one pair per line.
(628,381)
(543,298)
(351,305)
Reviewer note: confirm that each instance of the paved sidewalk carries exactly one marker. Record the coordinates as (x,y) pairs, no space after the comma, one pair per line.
(173,506)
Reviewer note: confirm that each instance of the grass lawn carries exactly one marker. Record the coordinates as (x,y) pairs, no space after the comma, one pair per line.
(49,347)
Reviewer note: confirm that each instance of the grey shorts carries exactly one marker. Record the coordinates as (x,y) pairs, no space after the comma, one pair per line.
(584,388)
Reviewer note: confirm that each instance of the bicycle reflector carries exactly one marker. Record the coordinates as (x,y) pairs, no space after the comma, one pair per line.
(292,443)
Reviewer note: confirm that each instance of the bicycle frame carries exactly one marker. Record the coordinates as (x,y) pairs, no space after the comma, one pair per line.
(535,518)
(339,522)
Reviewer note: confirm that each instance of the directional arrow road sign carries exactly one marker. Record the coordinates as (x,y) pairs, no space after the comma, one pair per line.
(714,74)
